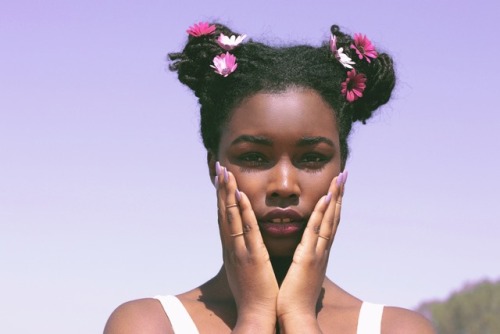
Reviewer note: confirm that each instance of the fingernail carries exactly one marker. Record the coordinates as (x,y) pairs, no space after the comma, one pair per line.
(226,175)
(217,168)
(346,174)
(216,182)
(339,179)
(238,195)
(328,197)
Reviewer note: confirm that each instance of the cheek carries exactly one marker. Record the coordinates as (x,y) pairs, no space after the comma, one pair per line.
(317,185)
(252,184)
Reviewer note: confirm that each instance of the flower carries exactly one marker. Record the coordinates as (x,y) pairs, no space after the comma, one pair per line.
(339,53)
(224,64)
(364,47)
(353,86)
(229,43)
(200,29)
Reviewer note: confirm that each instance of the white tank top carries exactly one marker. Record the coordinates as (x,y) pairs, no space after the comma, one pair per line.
(369,320)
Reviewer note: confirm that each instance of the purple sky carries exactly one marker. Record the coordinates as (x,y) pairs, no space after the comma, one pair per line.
(104,192)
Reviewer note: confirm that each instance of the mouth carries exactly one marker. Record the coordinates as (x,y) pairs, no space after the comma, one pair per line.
(282,223)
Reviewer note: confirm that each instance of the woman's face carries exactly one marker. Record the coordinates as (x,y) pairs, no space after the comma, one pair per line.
(283,149)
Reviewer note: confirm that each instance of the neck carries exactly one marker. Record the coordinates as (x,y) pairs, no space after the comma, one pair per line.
(280,267)
(219,282)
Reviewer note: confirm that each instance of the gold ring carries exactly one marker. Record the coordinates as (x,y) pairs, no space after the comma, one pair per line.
(237,234)
(326,238)
(231,205)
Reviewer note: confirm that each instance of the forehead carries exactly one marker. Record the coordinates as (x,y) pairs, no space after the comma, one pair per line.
(293,113)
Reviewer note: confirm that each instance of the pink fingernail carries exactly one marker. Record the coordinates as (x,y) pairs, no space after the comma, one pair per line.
(328,197)
(226,176)
(238,195)
(216,182)
(346,174)
(217,168)
(339,179)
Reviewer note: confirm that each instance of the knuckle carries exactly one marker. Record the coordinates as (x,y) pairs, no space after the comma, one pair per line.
(230,217)
(316,228)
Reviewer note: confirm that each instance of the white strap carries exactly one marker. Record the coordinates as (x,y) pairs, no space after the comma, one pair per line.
(370,318)
(179,317)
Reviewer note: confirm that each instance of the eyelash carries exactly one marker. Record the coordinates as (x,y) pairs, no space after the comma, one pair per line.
(309,161)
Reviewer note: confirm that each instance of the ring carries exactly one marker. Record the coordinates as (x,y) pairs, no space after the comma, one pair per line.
(326,238)
(237,234)
(231,205)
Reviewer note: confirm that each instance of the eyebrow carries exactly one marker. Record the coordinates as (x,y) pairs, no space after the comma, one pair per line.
(253,139)
(309,141)
(304,141)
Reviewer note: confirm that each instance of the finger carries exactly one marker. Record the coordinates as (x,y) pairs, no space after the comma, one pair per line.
(253,238)
(221,204)
(338,206)
(332,215)
(232,208)
(310,236)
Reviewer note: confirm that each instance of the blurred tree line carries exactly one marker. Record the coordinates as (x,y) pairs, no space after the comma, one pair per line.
(475,309)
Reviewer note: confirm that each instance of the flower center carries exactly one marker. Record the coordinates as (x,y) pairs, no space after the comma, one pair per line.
(350,84)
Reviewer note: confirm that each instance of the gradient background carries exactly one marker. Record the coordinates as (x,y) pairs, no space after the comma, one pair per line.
(104,192)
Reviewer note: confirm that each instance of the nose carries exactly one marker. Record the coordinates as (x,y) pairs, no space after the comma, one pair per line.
(283,187)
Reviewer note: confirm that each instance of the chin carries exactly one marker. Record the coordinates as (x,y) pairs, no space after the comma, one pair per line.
(281,247)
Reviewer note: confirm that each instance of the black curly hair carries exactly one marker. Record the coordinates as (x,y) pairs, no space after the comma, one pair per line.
(265,68)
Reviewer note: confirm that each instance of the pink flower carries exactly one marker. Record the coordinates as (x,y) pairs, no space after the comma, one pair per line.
(229,43)
(200,29)
(353,86)
(224,64)
(339,54)
(364,47)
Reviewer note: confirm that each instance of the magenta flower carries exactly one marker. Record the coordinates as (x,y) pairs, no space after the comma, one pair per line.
(353,86)
(201,29)
(364,47)
(224,64)
(229,43)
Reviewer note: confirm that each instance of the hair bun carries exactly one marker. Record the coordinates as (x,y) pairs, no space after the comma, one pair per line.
(193,63)
(381,80)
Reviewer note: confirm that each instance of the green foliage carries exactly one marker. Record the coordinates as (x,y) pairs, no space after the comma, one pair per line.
(475,309)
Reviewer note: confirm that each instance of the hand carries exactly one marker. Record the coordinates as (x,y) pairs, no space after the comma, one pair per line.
(246,260)
(300,290)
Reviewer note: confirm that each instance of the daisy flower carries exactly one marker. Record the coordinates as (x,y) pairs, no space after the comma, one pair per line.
(364,47)
(201,29)
(224,64)
(229,43)
(339,53)
(353,86)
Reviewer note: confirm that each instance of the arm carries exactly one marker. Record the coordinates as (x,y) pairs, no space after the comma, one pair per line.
(300,291)
(246,261)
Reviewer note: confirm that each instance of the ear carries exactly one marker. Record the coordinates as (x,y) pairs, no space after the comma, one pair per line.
(211,159)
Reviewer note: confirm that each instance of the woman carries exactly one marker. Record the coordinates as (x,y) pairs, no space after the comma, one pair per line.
(275,123)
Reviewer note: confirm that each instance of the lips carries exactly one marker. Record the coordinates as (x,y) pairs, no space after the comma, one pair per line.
(282,223)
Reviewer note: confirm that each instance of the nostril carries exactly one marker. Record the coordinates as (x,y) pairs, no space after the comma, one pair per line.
(277,199)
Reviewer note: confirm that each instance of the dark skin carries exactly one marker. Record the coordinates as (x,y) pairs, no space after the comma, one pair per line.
(279,161)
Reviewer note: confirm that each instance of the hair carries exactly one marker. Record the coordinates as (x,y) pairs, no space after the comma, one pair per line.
(274,69)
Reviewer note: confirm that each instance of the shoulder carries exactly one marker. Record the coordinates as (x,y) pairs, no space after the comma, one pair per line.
(145,316)
(403,321)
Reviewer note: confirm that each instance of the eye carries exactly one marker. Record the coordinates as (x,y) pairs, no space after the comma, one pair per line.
(313,160)
(253,159)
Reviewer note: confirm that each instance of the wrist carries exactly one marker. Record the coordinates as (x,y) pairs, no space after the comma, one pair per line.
(299,323)
(255,324)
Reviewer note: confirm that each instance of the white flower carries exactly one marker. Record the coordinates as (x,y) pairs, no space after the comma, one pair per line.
(344,59)
(229,43)
(339,53)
